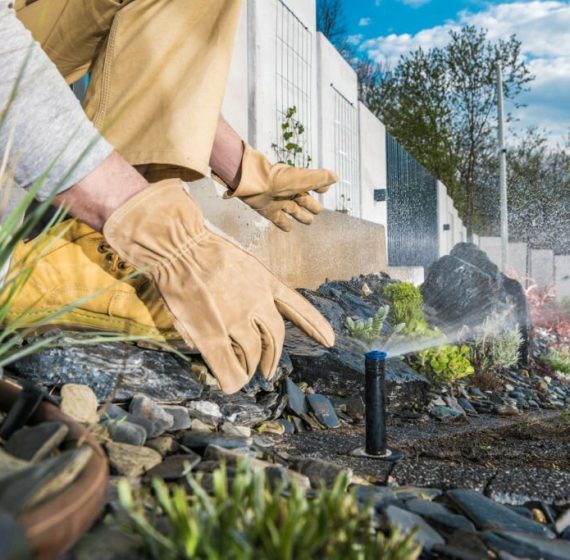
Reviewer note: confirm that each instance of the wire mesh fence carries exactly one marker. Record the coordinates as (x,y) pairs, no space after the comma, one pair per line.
(346,150)
(293,73)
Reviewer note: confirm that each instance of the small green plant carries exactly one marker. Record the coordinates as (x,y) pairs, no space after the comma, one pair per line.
(558,359)
(245,518)
(370,330)
(289,149)
(407,306)
(445,364)
(344,204)
(495,348)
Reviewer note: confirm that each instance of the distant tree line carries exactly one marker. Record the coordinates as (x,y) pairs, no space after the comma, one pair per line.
(440,104)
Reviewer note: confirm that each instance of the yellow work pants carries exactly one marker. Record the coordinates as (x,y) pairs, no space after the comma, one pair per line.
(158,71)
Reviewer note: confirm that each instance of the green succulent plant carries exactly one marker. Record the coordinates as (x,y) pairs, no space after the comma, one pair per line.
(444,364)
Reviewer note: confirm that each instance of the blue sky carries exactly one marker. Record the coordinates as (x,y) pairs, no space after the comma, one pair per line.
(386,29)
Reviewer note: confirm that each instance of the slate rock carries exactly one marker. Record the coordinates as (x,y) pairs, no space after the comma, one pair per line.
(296,399)
(205,411)
(201,440)
(377,496)
(487,514)
(466,287)
(232,429)
(165,445)
(341,368)
(113,370)
(563,521)
(259,383)
(238,408)
(180,417)
(152,417)
(439,517)
(126,432)
(517,485)
(34,443)
(132,460)
(521,545)
(413,493)
(79,402)
(288,427)
(321,473)
(468,544)
(323,410)
(175,467)
(398,518)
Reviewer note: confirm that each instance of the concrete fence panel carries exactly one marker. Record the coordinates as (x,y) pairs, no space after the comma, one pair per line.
(542,267)
(562,276)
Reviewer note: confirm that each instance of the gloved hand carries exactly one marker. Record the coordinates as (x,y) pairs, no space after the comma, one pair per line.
(278,190)
(221,299)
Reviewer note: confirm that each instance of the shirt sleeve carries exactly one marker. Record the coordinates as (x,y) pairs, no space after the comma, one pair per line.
(50,140)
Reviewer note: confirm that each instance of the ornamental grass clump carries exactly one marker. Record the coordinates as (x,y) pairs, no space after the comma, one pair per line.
(494,347)
(247,518)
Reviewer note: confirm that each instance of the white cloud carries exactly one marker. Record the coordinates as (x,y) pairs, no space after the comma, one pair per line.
(363,22)
(354,40)
(415,3)
(542,26)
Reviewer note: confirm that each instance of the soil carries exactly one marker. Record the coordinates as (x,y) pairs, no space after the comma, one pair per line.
(538,440)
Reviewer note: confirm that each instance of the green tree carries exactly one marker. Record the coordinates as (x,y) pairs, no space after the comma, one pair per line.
(441,106)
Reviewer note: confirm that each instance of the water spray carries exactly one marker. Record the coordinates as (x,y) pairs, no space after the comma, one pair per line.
(375,401)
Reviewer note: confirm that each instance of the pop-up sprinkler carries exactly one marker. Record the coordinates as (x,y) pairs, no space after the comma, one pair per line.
(375,400)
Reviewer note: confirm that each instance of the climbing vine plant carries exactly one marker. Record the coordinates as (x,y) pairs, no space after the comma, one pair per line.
(289,148)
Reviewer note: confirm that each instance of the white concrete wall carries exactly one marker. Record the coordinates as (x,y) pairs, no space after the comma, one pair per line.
(562,276)
(372,166)
(542,267)
(517,266)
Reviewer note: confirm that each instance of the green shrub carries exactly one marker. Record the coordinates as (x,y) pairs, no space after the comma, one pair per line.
(444,364)
(407,306)
(495,348)
(248,519)
(558,359)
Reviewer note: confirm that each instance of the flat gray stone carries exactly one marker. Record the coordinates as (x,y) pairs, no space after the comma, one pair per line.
(516,486)
(297,402)
(522,545)
(126,432)
(377,496)
(152,417)
(180,417)
(205,411)
(487,514)
(175,466)
(323,410)
(201,440)
(406,522)
(113,370)
(321,473)
(34,443)
(132,460)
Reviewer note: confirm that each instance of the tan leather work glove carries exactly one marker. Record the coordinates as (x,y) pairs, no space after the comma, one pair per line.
(277,191)
(222,300)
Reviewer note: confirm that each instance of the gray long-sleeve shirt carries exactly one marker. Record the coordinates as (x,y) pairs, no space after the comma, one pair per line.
(40,117)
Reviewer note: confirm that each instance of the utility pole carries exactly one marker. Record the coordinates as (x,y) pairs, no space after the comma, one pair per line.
(502,172)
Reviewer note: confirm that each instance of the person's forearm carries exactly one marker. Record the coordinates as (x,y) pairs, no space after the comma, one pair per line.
(227,154)
(97,196)
(53,143)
